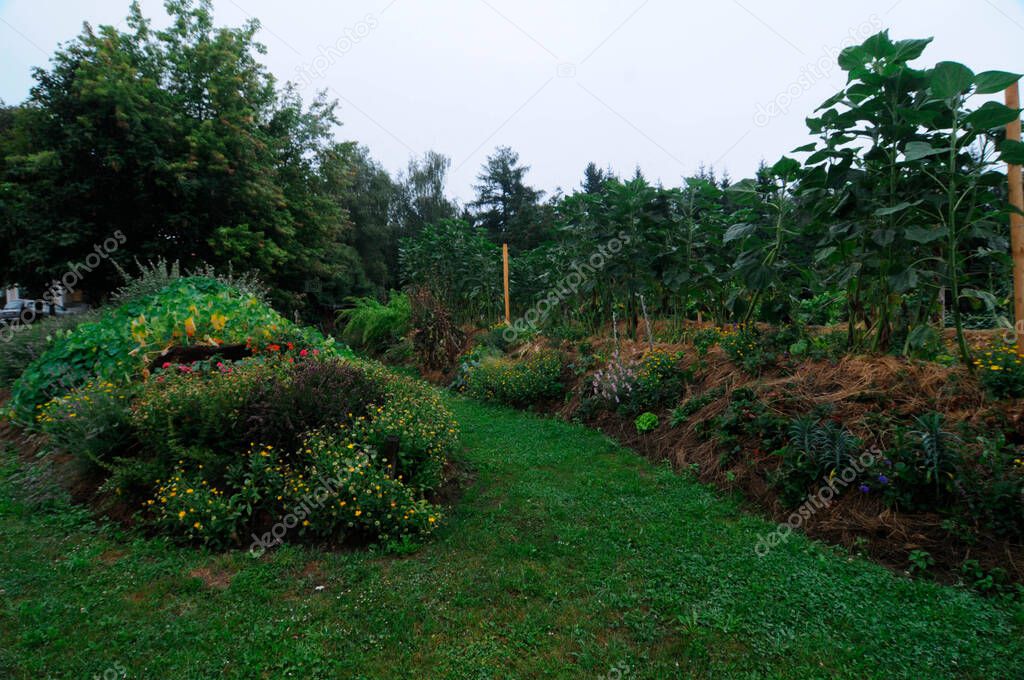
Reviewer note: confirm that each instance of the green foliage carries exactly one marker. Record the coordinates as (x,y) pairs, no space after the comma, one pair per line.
(119,345)
(153,277)
(992,488)
(920,561)
(659,379)
(940,454)
(375,326)
(746,418)
(694,404)
(92,422)
(751,349)
(646,422)
(215,451)
(183,145)
(331,488)
(506,208)
(817,452)
(28,342)
(523,382)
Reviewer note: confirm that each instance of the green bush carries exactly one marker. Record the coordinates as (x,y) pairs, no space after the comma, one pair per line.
(517,382)
(120,344)
(214,451)
(992,488)
(92,422)
(28,342)
(374,326)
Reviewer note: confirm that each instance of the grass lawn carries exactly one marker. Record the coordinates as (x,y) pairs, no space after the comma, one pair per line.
(567,556)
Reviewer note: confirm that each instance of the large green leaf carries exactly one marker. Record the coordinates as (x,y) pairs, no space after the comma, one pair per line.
(1012,152)
(738,231)
(992,115)
(892,210)
(986,297)
(950,79)
(908,50)
(915,151)
(990,82)
(904,281)
(923,234)
(786,168)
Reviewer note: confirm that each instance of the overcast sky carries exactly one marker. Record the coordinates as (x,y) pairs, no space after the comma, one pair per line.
(662,84)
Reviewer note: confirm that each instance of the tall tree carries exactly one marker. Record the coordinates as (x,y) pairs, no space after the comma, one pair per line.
(180,140)
(505,206)
(421,194)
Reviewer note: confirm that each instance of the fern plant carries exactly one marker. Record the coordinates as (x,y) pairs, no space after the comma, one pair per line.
(372,325)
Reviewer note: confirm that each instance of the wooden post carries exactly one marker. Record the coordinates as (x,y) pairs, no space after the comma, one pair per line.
(1013,172)
(504,256)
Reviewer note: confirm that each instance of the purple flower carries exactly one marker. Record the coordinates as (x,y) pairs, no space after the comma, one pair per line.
(882,479)
(864,488)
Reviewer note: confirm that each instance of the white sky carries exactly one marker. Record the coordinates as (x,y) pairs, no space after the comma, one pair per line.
(660,84)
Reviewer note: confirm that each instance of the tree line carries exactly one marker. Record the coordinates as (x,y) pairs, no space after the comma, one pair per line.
(893,217)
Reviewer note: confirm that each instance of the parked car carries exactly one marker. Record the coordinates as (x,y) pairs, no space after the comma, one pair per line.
(15,309)
(19,309)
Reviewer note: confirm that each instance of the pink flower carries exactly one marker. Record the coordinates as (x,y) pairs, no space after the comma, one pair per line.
(167,364)
(304,353)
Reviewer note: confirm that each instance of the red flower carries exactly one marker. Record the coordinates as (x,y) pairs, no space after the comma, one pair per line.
(274,348)
(303,353)
(167,364)
(291,346)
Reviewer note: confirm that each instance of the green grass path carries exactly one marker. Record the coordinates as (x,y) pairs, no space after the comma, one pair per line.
(566,557)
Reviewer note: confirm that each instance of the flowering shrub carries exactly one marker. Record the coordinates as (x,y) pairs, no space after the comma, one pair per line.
(120,344)
(633,387)
(613,385)
(746,347)
(1001,371)
(309,394)
(357,448)
(517,383)
(92,422)
(329,489)
(186,412)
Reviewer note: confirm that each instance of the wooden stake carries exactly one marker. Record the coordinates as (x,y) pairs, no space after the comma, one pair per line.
(1013,172)
(504,255)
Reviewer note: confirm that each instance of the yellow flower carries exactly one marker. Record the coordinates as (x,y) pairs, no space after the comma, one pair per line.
(181,515)
(190,327)
(218,321)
